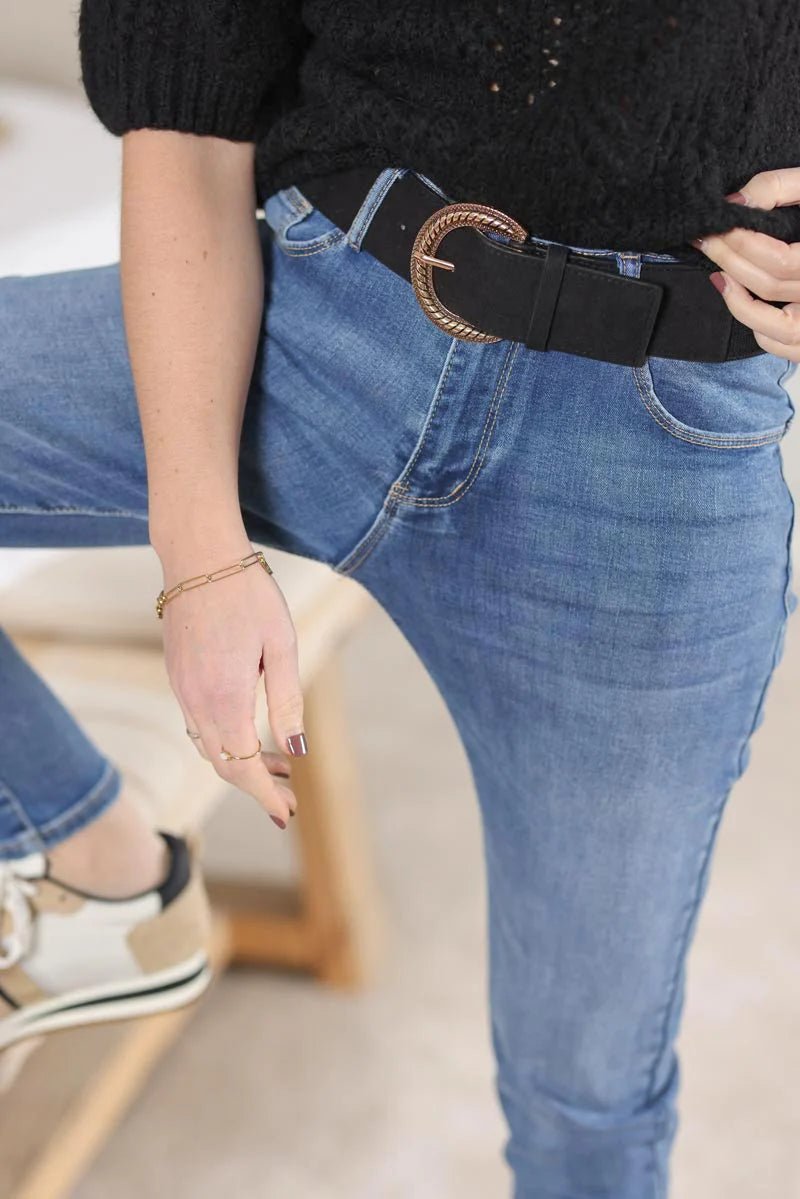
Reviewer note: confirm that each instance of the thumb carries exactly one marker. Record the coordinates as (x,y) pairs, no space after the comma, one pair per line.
(284,696)
(770,189)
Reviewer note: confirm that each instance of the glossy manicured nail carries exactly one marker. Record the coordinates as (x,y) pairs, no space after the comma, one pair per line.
(719,281)
(737,198)
(298,746)
(277,820)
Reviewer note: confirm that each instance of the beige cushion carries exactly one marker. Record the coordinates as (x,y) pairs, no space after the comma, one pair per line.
(109,594)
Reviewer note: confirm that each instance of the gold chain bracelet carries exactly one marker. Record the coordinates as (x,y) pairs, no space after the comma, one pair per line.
(163,597)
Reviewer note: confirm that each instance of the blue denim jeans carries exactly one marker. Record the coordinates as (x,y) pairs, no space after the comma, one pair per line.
(591,560)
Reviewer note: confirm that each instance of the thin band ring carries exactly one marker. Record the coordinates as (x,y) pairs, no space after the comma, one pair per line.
(194,736)
(229,757)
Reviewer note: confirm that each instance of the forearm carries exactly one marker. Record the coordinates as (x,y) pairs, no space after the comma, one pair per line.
(192,292)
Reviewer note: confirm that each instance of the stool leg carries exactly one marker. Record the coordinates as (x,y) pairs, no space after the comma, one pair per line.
(330,925)
(338,890)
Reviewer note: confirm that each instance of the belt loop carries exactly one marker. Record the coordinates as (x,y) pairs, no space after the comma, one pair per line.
(629,264)
(372,200)
(544,305)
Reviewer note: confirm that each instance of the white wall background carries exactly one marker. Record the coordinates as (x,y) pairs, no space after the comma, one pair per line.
(38,42)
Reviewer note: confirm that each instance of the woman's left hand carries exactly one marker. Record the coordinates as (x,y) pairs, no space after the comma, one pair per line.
(756,265)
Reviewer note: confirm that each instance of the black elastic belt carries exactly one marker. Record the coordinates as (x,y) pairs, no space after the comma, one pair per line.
(545,297)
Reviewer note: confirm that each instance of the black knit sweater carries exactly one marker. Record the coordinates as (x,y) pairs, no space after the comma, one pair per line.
(608,123)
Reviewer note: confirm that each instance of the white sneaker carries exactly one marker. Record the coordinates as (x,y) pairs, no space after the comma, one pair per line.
(69,958)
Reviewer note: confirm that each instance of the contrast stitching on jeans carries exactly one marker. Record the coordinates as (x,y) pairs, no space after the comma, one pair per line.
(460,490)
(25,510)
(361,552)
(331,239)
(290,195)
(401,485)
(400,489)
(710,440)
(362,223)
(300,203)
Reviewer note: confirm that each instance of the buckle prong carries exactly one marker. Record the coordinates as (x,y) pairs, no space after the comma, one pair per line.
(448,266)
(423,260)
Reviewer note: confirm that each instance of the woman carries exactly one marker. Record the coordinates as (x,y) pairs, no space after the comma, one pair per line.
(554,459)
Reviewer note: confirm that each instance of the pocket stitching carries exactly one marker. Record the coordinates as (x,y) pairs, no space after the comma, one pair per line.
(363,549)
(300,249)
(331,239)
(709,440)
(460,490)
(402,484)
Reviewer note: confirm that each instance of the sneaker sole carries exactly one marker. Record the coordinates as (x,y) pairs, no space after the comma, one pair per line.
(159,992)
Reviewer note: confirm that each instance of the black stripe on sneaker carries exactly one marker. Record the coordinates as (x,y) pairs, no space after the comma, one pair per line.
(179,871)
(178,982)
(5,995)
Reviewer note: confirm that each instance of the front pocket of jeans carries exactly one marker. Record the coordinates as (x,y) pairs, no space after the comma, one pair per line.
(298,228)
(739,404)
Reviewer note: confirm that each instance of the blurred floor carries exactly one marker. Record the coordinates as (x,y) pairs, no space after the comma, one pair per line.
(284,1091)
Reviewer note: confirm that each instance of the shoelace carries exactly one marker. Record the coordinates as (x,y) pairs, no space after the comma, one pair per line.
(14,894)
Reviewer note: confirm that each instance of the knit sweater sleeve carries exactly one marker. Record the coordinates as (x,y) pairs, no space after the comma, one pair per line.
(216,67)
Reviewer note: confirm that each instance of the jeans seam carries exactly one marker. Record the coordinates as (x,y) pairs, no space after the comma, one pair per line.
(710,441)
(380,526)
(689,910)
(332,239)
(692,908)
(402,484)
(103,792)
(464,486)
(28,841)
(361,221)
(34,510)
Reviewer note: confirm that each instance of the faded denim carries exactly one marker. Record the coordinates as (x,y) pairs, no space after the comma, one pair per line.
(592,561)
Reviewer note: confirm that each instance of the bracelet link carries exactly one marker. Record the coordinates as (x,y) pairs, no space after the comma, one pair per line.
(224,572)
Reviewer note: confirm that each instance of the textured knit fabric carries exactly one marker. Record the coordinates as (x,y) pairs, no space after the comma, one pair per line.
(609,124)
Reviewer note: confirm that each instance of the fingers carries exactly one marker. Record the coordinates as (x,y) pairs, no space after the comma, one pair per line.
(775,327)
(258,775)
(766,266)
(282,685)
(246,768)
(190,725)
(773,189)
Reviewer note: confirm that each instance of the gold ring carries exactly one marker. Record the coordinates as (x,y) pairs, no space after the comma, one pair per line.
(228,757)
(194,736)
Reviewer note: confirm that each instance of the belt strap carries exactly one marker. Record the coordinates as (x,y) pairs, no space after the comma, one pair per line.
(545,297)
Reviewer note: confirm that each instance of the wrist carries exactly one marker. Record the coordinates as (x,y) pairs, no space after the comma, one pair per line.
(199,551)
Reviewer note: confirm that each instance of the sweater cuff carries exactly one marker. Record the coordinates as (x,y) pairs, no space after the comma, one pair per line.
(146,64)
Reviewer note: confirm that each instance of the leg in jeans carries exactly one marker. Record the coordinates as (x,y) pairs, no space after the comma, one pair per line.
(320,436)
(591,560)
(593,563)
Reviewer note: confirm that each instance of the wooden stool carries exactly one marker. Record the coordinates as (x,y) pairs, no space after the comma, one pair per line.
(85,620)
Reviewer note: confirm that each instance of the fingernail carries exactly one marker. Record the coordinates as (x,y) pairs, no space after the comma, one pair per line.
(277,820)
(737,198)
(698,243)
(719,281)
(298,746)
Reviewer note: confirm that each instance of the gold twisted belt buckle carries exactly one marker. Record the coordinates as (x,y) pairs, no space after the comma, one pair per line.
(423,260)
